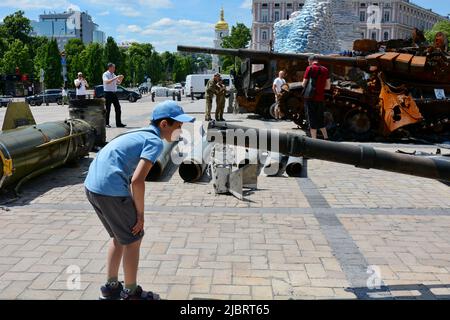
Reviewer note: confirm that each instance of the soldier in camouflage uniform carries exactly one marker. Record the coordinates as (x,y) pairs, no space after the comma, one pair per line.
(211,90)
(220,101)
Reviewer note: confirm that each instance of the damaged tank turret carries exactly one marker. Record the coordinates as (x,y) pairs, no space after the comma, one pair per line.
(371,94)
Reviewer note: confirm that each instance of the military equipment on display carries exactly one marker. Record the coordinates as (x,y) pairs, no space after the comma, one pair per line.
(93,112)
(161,163)
(28,149)
(374,93)
(361,156)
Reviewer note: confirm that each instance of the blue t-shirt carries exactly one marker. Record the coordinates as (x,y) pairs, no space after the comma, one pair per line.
(111,171)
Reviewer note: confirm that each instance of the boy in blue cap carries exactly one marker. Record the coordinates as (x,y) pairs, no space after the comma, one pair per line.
(115,186)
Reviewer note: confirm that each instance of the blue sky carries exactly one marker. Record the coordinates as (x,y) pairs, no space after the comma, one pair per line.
(164,23)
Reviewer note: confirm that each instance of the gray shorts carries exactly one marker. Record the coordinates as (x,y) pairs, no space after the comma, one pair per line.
(118,216)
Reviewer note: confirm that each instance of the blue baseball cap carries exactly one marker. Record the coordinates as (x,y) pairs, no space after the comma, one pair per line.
(170,109)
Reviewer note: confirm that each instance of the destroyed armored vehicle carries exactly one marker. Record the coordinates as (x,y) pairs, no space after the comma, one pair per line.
(372,94)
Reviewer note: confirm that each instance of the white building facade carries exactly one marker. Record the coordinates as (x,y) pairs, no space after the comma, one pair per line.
(378,20)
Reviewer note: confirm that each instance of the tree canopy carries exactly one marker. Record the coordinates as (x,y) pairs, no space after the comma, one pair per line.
(441,26)
(239,37)
(139,61)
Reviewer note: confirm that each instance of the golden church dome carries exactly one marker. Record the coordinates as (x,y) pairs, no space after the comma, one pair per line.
(222,24)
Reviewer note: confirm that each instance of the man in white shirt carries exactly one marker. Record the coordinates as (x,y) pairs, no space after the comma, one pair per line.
(276,87)
(81,85)
(110,82)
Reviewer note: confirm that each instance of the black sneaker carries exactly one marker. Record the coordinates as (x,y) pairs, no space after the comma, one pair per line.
(111,293)
(121,125)
(108,126)
(139,294)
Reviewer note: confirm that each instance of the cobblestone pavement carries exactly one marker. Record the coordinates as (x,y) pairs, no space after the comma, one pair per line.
(326,236)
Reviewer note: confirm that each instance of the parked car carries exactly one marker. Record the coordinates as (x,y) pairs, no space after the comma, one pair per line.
(49,96)
(122,93)
(5,100)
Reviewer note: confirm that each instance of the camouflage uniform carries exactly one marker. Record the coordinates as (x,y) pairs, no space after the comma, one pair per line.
(211,90)
(220,102)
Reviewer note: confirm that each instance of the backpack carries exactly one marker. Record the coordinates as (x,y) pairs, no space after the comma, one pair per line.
(310,90)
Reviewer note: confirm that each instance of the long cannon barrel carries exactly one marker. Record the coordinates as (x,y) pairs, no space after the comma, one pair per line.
(358,155)
(161,163)
(28,151)
(194,165)
(360,62)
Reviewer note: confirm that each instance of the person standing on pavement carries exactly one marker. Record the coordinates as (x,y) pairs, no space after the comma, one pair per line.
(115,187)
(276,87)
(81,85)
(110,82)
(220,100)
(211,91)
(316,81)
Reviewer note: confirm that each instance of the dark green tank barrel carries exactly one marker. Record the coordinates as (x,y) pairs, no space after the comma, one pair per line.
(358,155)
(360,62)
(93,112)
(28,151)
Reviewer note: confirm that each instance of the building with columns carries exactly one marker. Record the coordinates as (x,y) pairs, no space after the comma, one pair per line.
(397,19)
(222,30)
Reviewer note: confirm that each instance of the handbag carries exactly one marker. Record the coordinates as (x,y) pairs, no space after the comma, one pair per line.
(310,90)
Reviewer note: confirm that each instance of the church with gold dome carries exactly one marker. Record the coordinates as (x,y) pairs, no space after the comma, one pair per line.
(222,30)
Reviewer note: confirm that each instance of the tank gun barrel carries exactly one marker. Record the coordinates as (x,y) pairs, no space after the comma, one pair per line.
(360,156)
(360,62)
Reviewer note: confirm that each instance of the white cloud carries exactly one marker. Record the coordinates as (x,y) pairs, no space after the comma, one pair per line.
(134,28)
(129,12)
(34,4)
(166,33)
(164,22)
(246,4)
(104,13)
(156,3)
(73,7)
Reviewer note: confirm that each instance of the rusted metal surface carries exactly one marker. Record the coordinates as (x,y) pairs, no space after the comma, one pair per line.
(362,99)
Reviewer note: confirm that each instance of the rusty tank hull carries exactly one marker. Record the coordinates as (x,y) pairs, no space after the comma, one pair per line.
(381,94)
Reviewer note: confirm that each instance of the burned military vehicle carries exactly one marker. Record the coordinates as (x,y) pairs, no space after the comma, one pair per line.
(372,94)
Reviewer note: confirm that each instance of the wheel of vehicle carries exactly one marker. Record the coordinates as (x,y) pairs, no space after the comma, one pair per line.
(131,98)
(59,101)
(32,103)
(357,121)
(272,110)
(38,103)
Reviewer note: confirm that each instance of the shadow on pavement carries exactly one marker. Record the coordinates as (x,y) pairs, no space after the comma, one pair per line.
(65,176)
(403,292)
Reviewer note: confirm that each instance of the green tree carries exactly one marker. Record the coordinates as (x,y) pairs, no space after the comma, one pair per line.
(139,55)
(36,43)
(48,58)
(441,26)
(113,54)
(16,56)
(16,26)
(239,37)
(93,66)
(182,66)
(3,46)
(168,60)
(155,68)
(73,50)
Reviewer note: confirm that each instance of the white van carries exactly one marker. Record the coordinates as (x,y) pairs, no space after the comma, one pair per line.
(198,83)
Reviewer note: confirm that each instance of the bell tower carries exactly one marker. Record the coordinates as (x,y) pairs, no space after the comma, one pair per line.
(221,30)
